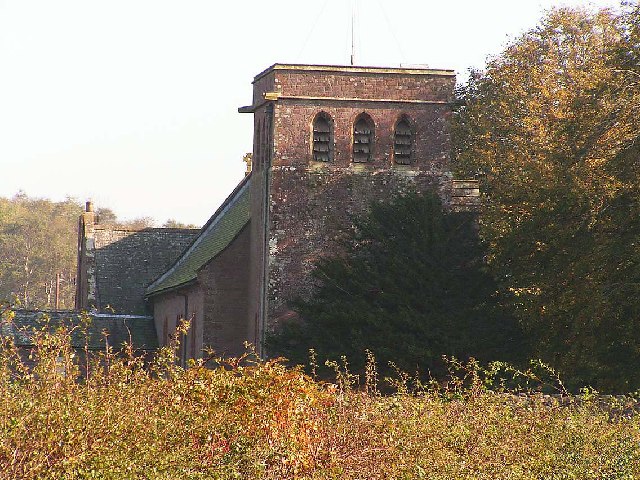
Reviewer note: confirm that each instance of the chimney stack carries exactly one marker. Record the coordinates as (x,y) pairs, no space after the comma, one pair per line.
(85,276)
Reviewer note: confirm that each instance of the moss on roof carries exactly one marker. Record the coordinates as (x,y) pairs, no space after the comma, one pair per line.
(215,236)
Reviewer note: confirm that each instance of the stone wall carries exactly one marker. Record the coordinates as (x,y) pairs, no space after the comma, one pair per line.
(115,264)
(128,261)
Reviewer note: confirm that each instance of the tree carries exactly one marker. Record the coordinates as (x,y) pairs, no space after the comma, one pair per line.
(38,241)
(410,287)
(553,127)
(138,223)
(172,223)
(106,216)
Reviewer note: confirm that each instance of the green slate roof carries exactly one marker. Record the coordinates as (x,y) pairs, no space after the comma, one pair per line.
(92,330)
(215,236)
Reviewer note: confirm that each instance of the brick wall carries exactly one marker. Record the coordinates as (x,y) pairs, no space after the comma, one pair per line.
(362,83)
(311,203)
(225,284)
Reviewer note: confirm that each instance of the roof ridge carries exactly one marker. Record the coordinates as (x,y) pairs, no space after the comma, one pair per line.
(198,247)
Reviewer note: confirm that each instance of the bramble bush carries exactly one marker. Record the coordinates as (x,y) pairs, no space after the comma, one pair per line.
(118,415)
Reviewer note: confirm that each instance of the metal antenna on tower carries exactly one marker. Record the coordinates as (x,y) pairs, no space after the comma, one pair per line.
(353,44)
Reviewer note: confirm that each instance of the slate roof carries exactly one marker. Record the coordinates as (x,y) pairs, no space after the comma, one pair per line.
(223,226)
(137,329)
(127,261)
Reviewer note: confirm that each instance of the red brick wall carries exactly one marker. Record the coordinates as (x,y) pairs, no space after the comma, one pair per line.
(364,84)
(225,284)
(429,124)
(310,203)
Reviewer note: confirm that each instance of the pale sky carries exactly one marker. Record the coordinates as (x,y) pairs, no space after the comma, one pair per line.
(133,103)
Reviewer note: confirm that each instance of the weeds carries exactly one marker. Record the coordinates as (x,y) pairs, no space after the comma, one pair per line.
(72,414)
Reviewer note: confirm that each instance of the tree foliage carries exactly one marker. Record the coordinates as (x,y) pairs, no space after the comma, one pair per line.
(38,240)
(173,223)
(106,216)
(553,127)
(410,287)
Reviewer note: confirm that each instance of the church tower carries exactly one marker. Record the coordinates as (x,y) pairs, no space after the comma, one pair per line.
(329,141)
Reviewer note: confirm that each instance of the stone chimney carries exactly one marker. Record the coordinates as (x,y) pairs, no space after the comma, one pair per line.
(86,275)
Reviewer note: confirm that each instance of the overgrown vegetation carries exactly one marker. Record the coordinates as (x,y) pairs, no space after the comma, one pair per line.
(113,418)
(553,128)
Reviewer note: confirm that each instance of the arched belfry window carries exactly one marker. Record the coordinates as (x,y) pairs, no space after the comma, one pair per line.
(322,138)
(402,142)
(363,139)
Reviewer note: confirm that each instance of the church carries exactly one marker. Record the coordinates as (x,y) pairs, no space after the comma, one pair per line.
(328,141)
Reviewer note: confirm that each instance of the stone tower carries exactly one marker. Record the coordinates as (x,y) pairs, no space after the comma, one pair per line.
(328,141)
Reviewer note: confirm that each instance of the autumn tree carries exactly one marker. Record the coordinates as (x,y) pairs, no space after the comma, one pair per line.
(552,126)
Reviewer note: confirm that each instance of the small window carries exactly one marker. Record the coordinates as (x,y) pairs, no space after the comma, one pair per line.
(402,143)
(322,138)
(362,139)
(184,339)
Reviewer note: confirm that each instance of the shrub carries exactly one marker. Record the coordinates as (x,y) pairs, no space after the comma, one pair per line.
(410,286)
(252,419)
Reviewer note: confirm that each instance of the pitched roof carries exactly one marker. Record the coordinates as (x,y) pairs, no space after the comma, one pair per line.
(22,325)
(223,226)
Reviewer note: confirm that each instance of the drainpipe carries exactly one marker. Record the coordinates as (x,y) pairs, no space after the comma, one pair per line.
(265,263)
